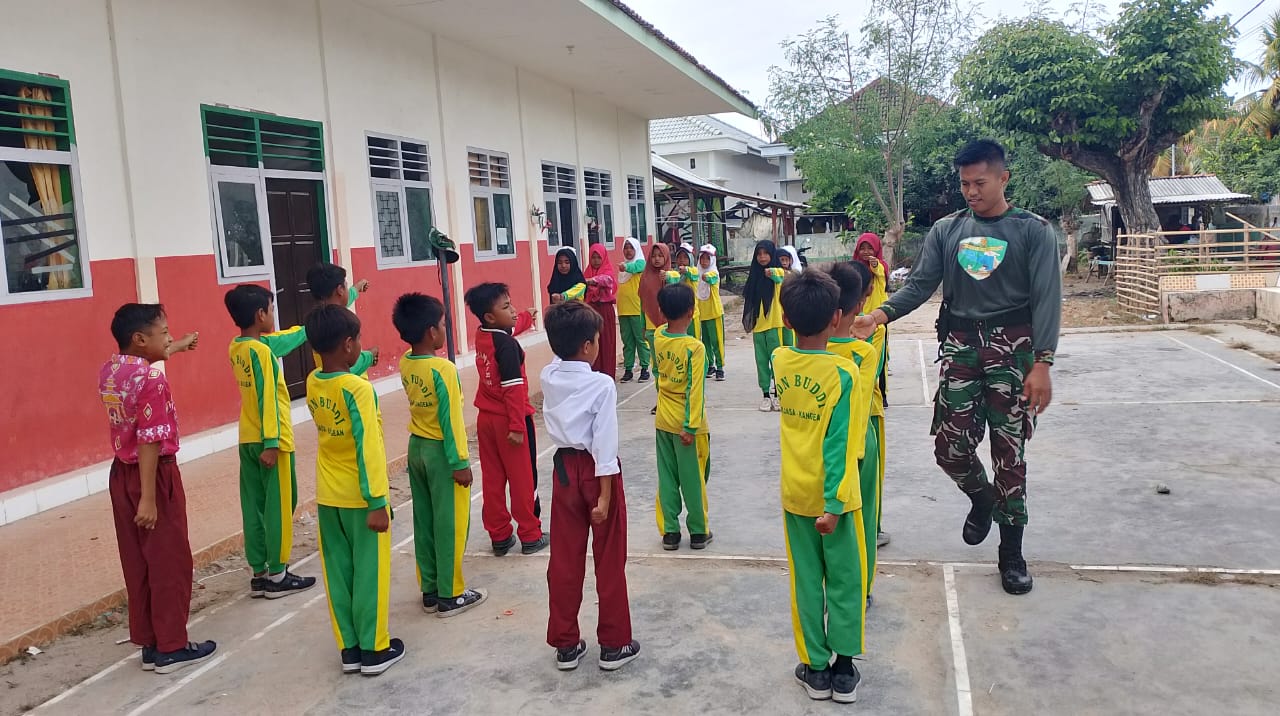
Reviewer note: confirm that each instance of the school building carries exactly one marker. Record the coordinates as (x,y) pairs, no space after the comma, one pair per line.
(164,150)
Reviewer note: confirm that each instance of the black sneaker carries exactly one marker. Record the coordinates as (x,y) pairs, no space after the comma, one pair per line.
(373,663)
(711,370)
(977,525)
(537,545)
(500,549)
(430,603)
(817,684)
(882,539)
(148,658)
(351,660)
(568,659)
(614,659)
(291,584)
(644,375)
(719,375)
(256,587)
(671,541)
(461,603)
(844,683)
(168,662)
(653,410)
(700,541)
(1014,577)
(627,375)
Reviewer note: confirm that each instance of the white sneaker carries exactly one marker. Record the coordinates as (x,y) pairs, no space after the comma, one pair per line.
(766,405)
(773,404)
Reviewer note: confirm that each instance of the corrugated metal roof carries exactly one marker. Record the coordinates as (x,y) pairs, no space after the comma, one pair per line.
(698,128)
(1173,190)
(667,171)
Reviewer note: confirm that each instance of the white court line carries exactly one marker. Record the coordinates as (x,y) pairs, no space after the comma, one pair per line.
(1229,364)
(1215,339)
(924,374)
(964,699)
(181,683)
(131,657)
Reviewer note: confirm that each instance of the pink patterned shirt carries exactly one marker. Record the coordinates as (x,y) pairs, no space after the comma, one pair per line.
(139,407)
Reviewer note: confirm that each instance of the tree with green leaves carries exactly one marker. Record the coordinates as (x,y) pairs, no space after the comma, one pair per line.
(846,106)
(1263,112)
(1111,104)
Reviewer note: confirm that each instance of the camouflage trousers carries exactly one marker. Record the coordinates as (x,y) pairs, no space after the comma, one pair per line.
(980,387)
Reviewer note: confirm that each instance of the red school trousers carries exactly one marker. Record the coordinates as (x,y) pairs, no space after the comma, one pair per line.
(156,562)
(501,465)
(574,493)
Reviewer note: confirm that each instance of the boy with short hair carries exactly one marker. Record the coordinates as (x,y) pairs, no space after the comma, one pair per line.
(504,424)
(580,409)
(351,495)
(147,499)
(853,295)
(328,284)
(268,477)
(820,498)
(683,441)
(439,466)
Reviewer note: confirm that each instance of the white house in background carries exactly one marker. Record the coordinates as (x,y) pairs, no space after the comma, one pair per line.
(728,156)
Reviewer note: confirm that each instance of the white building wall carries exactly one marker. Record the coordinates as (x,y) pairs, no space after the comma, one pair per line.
(549,135)
(81,27)
(633,140)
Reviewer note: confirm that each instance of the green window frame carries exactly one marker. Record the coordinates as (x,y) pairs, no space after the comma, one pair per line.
(635,202)
(43,255)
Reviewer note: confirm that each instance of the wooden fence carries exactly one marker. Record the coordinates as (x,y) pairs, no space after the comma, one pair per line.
(1149,265)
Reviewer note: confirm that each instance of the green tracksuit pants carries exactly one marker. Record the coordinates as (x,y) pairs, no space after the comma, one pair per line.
(357,577)
(713,341)
(441,518)
(870,482)
(828,601)
(634,342)
(682,472)
(765,343)
(268,496)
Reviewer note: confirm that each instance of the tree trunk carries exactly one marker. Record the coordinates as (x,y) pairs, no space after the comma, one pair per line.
(890,242)
(1133,197)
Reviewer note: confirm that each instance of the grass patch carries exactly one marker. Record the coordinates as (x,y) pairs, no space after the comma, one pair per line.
(1203,330)
(1240,345)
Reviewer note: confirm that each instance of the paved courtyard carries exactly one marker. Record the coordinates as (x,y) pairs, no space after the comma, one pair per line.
(1144,602)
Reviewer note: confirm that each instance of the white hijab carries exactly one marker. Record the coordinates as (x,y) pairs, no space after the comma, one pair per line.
(795,258)
(623,276)
(704,288)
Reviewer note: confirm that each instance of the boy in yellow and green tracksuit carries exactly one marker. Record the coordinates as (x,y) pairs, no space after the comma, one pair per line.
(439,466)
(821,503)
(328,283)
(711,310)
(869,361)
(268,478)
(351,495)
(630,315)
(683,441)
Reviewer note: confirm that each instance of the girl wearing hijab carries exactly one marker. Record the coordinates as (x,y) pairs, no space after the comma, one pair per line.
(789,259)
(652,279)
(602,292)
(630,316)
(762,316)
(707,291)
(688,273)
(869,253)
(567,282)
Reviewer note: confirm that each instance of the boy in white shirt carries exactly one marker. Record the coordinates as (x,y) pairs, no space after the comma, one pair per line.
(580,411)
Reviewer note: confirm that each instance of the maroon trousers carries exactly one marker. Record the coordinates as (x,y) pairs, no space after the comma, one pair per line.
(607,359)
(156,562)
(503,464)
(575,492)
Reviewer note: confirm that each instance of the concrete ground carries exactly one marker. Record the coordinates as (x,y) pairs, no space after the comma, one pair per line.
(1144,603)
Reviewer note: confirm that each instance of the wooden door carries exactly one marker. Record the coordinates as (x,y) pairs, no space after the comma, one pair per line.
(293,209)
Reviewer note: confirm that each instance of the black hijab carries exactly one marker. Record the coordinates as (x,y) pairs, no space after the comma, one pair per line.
(757,295)
(561,282)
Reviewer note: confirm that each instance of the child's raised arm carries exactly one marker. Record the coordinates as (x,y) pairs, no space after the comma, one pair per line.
(282,343)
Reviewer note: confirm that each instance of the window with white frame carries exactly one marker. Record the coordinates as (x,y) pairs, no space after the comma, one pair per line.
(39,190)
(400,180)
(599,188)
(560,194)
(490,178)
(635,201)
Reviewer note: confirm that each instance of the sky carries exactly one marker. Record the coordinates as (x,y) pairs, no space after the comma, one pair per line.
(740,39)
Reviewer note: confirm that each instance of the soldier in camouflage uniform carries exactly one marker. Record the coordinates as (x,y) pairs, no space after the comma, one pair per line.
(998,331)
